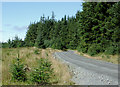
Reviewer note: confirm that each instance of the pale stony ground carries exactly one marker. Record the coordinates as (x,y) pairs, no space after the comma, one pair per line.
(82,76)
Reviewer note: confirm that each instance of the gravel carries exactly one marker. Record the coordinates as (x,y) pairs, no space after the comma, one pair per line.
(82,76)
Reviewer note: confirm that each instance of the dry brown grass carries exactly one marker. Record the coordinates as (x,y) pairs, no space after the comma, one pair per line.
(62,74)
(103,57)
(60,69)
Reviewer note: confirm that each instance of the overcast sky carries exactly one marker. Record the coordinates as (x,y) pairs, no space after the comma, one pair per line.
(16,16)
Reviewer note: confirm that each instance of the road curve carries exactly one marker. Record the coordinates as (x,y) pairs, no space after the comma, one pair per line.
(95,66)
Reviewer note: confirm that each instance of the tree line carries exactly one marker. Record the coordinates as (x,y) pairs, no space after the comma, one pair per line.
(95,29)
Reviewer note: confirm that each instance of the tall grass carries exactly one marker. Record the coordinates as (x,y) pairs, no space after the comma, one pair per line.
(29,56)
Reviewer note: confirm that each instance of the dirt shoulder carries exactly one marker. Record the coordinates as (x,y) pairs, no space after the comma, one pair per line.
(108,58)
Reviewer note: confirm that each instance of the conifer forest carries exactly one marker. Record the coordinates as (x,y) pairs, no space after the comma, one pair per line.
(94,30)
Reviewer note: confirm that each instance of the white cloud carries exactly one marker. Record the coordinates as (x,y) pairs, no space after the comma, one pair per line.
(22,28)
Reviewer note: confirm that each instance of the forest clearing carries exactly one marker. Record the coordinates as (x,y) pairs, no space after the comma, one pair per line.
(30,57)
(93,32)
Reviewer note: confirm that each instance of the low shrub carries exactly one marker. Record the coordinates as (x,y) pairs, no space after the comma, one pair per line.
(42,74)
(94,49)
(83,49)
(47,43)
(36,51)
(17,70)
(112,50)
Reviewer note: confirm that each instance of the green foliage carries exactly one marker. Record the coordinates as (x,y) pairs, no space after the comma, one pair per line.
(48,43)
(17,70)
(57,44)
(112,49)
(94,49)
(16,42)
(31,35)
(97,23)
(83,47)
(5,45)
(36,51)
(40,40)
(42,74)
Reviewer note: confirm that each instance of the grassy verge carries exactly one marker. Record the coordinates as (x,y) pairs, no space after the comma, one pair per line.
(29,56)
(101,56)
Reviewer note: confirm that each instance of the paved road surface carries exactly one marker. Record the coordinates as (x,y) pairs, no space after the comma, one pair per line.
(100,69)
